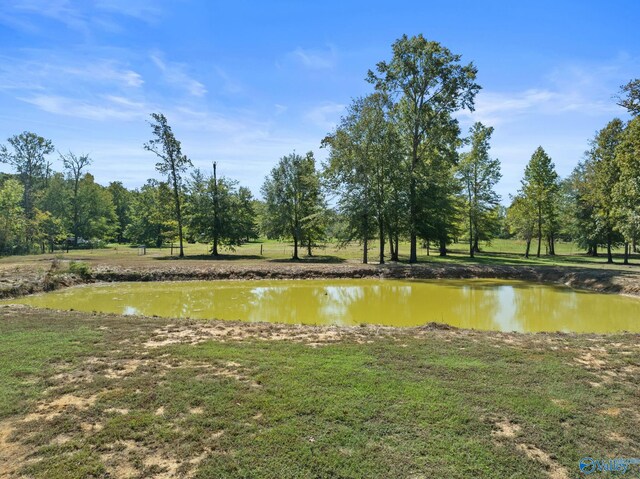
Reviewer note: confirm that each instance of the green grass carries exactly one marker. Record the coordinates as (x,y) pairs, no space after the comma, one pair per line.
(402,404)
(498,252)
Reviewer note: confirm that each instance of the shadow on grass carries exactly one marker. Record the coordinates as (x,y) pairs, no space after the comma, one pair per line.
(326,259)
(209,257)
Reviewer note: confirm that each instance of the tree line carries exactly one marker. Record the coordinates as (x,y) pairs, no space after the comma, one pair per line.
(398,169)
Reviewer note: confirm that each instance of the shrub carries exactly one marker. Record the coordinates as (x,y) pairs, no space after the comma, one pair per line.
(80,268)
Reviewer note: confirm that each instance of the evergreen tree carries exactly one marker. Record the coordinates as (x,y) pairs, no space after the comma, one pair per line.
(540,189)
(172,163)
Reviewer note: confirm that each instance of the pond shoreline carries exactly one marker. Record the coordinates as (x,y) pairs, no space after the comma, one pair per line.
(21,282)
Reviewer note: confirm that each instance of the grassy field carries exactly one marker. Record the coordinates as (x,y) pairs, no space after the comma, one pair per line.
(107,396)
(499,252)
(104,396)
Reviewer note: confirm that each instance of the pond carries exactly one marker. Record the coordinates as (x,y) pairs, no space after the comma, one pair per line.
(480,304)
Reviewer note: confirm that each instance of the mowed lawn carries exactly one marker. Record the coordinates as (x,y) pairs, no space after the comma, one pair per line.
(265,252)
(113,397)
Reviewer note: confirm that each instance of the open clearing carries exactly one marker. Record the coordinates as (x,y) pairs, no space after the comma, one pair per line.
(107,396)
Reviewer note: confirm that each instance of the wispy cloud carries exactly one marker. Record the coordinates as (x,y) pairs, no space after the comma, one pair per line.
(100,108)
(175,74)
(40,70)
(315,59)
(82,17)
(325,115)
(571,88)
(146,10)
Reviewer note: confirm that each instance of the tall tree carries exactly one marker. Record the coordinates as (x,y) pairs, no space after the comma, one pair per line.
(626,193)
(12,220)
(364,158)
(431,84)
(629,97)
(540,188)
(29,160)
(602,171)
(75,165)
(96,213)
(479,174)
(122,203)
(293,200)
(218,211)
(150,214)
(521,218)
(172,163)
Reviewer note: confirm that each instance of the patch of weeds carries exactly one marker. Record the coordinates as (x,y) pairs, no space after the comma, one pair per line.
(80,268)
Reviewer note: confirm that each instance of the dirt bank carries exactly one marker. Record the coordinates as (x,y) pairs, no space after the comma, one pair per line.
(27,280)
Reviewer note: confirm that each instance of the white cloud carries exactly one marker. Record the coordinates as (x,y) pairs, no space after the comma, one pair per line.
(174,74)
(571,88)
(44,70)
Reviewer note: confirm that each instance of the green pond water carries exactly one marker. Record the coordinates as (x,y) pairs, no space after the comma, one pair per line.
(481,304)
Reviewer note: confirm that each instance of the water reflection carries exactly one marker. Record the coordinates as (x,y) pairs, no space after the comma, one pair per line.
(480,304)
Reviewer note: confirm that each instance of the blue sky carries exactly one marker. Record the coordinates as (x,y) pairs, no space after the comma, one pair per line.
(246,82)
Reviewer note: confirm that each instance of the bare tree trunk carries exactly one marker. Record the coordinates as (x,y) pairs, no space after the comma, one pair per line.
(413,252)
(539,230)
(626,252)
(381,233)
(365,253)
(471,250)
(393,258)
(476,244)
(214,249)
(609,255)
(526,252)
(396,249)
(443,248)
(295,248)
(309,252)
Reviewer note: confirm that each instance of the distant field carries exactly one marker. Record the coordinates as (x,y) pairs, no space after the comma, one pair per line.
(508,252)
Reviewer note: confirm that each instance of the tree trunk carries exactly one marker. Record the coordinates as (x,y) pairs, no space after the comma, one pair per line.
(609,255)
(526,252)
(443,248)
(476,245)
(214,248)
(381,233)
(396,249)
(365,253)
(309,253)
(539,230)
(595,251)
(552,246)
(471,249)
(295,248)
(391,247)
(626,252)
(413,220)
(176,195)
